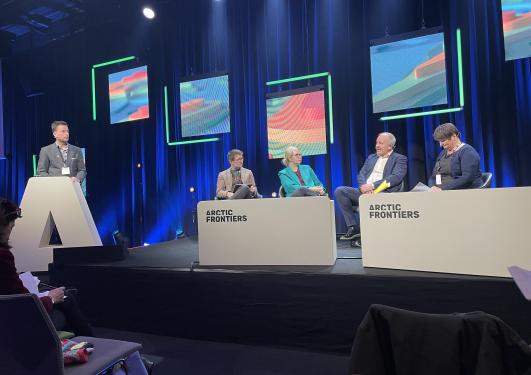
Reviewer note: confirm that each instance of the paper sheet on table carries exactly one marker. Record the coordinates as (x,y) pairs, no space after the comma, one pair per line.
(420,187)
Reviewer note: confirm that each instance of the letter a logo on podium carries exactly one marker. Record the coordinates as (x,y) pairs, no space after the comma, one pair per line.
(50,201)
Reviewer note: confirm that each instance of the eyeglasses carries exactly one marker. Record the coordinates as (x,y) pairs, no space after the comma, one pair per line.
(297,154)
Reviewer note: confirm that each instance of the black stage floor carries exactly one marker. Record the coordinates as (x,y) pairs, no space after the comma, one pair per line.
(161,289)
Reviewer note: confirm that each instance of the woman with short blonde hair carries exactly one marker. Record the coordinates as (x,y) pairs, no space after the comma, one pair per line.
(298,180)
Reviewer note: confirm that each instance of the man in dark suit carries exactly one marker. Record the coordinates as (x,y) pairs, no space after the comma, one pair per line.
(384,165)
(61,158)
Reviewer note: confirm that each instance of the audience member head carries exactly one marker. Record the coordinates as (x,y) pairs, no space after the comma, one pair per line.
(385,143)
(447,135)
(60,131)
(9,212)
(235,158)
(292,156)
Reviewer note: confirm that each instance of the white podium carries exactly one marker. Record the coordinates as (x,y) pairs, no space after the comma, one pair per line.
(49,200)
(290,231)
(475,232)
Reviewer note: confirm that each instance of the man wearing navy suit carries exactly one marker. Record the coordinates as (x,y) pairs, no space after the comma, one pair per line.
(383,165)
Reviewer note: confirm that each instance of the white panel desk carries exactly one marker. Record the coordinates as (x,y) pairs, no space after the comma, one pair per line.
(291,231)
(476,232)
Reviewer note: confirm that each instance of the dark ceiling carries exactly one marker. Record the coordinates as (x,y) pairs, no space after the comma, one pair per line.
(26,24)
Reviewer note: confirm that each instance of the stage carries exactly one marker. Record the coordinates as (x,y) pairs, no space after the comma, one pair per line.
(161,289)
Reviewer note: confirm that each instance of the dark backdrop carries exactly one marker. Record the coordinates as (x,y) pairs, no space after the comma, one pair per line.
(138,184)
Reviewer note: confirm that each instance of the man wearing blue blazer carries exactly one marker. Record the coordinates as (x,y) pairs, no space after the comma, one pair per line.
(386,165)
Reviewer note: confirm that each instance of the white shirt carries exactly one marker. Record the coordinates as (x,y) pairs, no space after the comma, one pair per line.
(377,172)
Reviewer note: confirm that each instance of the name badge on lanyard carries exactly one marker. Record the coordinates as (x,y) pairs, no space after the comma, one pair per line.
(65,171)
(438,179)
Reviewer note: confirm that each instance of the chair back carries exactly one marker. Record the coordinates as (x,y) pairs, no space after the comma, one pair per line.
(28,341)
(281,192)
(486,179)
(437,344)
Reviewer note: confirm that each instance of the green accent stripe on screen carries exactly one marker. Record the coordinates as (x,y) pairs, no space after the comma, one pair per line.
(300,78)
(193,141)
(418,114)
(113,62)
(460,68)
(34,165)
(93,95)
(330,110)
(166,119)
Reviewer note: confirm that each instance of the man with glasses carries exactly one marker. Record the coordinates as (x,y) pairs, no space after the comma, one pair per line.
(236,182)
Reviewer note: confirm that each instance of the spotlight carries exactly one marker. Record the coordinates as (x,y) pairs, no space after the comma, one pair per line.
(274,194)
(139,165)
(192,189)
(146,243)
(148,12)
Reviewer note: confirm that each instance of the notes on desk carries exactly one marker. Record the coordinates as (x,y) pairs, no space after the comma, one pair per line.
(420,187)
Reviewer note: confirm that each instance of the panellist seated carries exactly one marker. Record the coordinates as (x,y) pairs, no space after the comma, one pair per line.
(236,182)
(299,180)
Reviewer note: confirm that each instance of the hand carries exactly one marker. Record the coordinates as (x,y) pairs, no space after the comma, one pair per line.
(366,189)
(435,188)
(253,189)
(74,179)
(229,194)
(57,295)
(318,189)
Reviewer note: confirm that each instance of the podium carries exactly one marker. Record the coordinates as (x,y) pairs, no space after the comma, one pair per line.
(48,201)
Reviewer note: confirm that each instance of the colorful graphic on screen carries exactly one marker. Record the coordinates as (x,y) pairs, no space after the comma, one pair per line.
(409,73)
(516,15)
(296,120)
(128,95)
(205,106)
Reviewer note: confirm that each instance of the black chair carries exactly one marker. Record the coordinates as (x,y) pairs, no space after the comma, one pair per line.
(396,341)
(29,343)
(281,192)
(486,179)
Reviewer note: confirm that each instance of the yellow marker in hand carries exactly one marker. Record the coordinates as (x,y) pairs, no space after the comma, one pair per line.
(383,186)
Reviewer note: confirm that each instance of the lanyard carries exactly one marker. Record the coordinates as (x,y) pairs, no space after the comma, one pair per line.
(62,157)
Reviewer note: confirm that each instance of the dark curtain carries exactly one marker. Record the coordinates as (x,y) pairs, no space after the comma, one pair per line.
(141,186)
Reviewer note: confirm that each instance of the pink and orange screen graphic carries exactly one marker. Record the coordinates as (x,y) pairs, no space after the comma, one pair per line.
(297,120)
(128,95)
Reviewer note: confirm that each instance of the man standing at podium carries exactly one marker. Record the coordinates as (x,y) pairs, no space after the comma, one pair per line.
(61,158)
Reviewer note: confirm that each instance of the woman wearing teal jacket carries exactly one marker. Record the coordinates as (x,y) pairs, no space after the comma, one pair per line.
(298,180)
